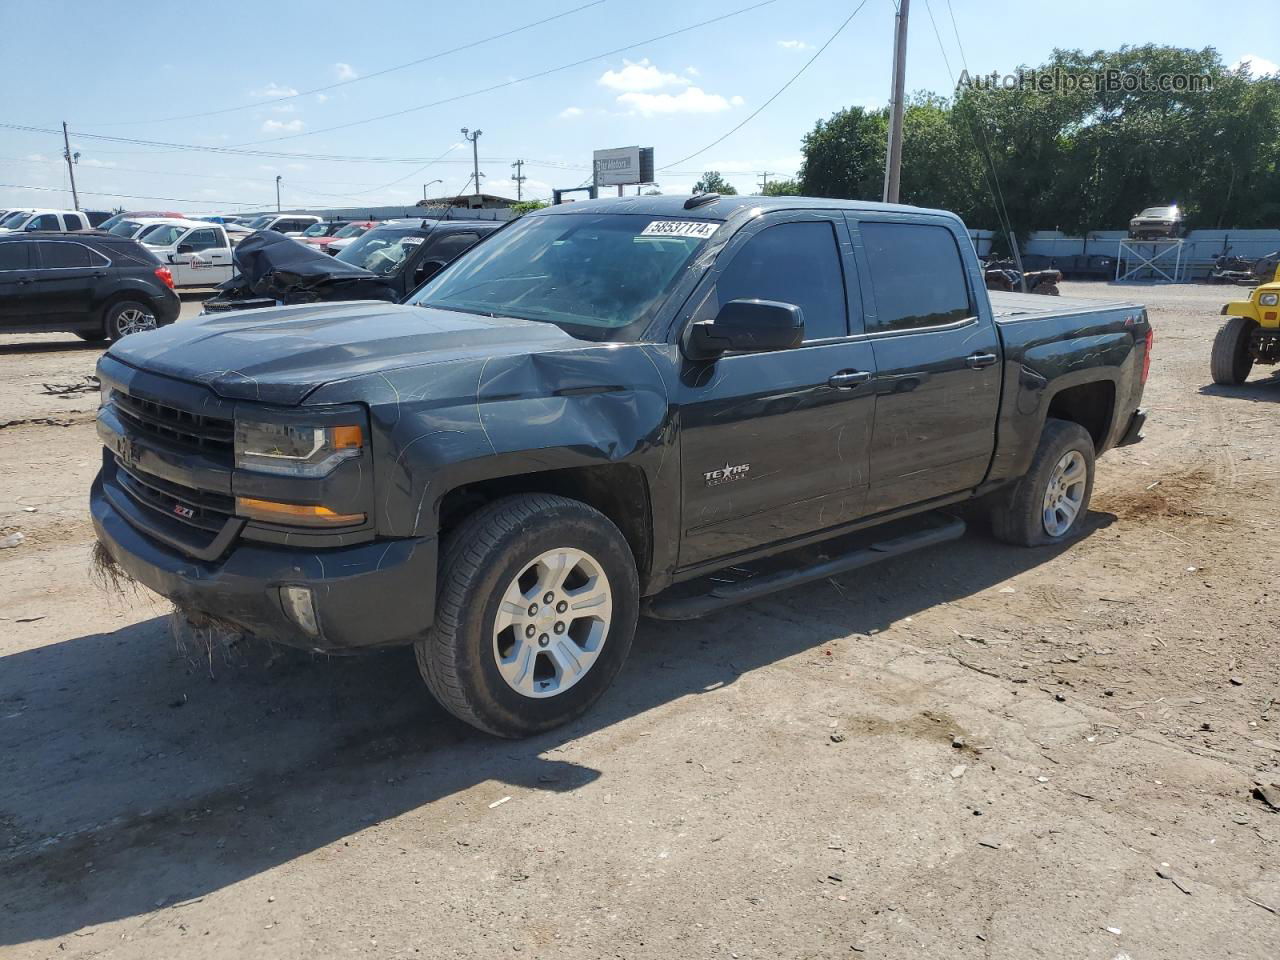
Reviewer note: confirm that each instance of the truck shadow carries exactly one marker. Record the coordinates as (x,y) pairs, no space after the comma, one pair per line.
(131,780)
(1265,390)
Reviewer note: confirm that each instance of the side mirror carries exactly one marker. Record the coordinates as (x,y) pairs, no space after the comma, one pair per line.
(186,248)
(750,326)
(31,227)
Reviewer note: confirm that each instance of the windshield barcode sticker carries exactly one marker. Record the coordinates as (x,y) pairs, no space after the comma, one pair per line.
(410,241)
(700,229)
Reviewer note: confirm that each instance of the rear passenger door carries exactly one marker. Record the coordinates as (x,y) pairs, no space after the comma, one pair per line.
(63,287)
(774,445)
(937,357)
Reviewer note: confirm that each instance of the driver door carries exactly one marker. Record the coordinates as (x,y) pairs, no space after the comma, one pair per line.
(774,445)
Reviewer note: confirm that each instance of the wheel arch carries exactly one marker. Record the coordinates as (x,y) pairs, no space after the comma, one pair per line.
(620,491)
(1091,405)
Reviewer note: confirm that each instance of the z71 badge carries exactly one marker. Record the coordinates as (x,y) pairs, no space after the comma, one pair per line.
(726,474)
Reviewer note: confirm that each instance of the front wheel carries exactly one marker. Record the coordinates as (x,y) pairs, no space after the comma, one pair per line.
(1048,504)
(536,611)
(1230,362)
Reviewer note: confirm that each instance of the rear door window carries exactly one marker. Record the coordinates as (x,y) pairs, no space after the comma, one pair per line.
(448,247)
(15,255)
(64,256)
(797,263)
(917,275)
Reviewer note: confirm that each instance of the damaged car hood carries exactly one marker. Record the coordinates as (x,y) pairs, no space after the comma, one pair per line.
(280,355)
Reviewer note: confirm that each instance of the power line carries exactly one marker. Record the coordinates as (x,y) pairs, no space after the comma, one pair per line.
(359,79)
(510,83)
(778,93)
(206,201)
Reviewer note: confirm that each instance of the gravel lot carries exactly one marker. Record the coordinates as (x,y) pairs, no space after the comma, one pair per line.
(975,751)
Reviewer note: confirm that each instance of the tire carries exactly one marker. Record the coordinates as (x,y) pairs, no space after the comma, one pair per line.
(498,552)
(123,317)
(1022,516)
(1230,363)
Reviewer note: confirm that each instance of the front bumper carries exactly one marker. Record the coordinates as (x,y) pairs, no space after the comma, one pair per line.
(378,593)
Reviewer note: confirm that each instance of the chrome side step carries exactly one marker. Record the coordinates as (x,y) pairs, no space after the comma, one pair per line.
(678,603)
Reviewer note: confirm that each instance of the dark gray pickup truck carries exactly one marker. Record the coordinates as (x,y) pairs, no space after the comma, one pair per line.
(659,404)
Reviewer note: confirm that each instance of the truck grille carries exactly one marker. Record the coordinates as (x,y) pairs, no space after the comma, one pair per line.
(213,436)
(200,509)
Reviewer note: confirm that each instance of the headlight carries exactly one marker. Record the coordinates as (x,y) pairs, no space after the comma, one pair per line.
(295,450)
(1268,299)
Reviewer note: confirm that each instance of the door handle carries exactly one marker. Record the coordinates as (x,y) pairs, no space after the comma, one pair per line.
(848,378)
(979,360)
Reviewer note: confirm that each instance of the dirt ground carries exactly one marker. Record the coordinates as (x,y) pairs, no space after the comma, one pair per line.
(975,751)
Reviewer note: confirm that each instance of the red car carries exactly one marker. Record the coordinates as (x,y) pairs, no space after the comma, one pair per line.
(347,231)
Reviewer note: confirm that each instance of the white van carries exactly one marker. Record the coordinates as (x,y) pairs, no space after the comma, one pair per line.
(197,252)
(62,221)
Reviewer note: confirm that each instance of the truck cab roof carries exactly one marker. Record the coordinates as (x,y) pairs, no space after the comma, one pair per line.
(724,207)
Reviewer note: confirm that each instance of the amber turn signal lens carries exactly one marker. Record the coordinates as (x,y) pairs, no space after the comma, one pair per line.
(297,514)
(346,438)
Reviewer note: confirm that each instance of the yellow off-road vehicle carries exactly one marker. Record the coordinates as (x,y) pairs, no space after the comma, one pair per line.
(1251,335)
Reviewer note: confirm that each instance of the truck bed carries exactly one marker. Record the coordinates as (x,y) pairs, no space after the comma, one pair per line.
(1020,306)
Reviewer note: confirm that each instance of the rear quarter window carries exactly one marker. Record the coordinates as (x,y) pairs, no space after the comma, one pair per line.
(917,275)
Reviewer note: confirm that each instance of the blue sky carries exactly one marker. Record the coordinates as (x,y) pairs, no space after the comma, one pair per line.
(129,69)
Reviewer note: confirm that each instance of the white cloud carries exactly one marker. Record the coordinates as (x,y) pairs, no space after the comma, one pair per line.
(282,126)
(569,113)
(640,76)
(284,108)
(344,71)
(693,71)
(274,89)
(1258,66)
(793,45)
(322,98)
(295,166)
(689,100)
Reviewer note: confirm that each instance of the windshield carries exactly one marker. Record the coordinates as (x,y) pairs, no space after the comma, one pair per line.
(384,250)
(162,235)
(261,223)
(1159,212)
(316,230)
(14,220)
(125,228)
(597,273)
(350,230)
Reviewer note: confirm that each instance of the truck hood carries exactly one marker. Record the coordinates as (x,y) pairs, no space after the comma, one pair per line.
(281,354)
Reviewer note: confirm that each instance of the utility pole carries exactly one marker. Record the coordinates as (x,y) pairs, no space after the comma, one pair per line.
(519,178)
(71,162)
(764,181)
(475,155)
(278,178)
(893,156)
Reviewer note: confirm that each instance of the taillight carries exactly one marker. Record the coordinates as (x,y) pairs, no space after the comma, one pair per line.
(1146,357)
(166,276)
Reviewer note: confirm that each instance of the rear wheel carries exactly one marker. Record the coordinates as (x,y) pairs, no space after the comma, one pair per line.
(128,316)
(536,611)
(1230,362)
(1048,504)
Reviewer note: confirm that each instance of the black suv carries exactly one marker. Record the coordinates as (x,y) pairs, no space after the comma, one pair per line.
(95,285)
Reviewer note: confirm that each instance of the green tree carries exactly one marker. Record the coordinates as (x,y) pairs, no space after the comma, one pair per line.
(712,182)
(528,206)
(783,188)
